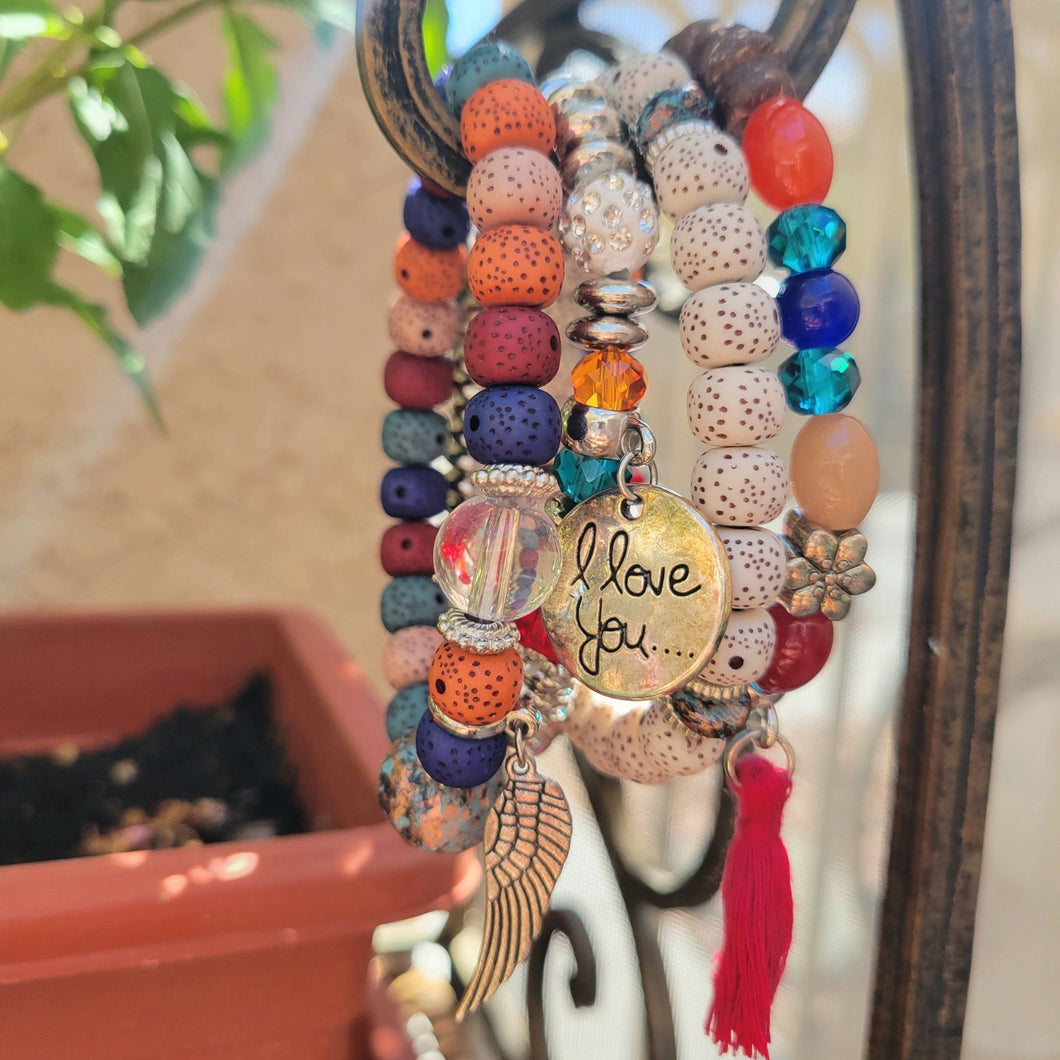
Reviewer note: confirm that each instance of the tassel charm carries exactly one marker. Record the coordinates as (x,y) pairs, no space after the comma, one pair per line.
(756,900)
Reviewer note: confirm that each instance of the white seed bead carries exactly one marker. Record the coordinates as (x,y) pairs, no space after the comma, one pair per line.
(738,405)
(739,486)
(699,169)
(745,650)
(757,564)
(408,653)
(730,323)
(514,186)
(719,243)
(629,756)
(637,80)
(674,747)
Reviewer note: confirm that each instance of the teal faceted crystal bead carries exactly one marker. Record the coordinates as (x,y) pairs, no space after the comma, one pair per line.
(817,382)
(807,237)
(582,477)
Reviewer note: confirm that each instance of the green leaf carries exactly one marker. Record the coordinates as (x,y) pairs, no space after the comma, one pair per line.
(435,28)
(28,241)
(78,235)
(250,85)
(23,19)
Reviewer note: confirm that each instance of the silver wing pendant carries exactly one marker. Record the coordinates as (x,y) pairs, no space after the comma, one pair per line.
(525,844)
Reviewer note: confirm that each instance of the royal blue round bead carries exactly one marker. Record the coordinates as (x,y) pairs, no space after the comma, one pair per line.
(414,436)
(412,600)
(457,761)
(413,492)
(432,221)
(818,309)
(512,425)
(807,237)
(478,66)
(817,382)
(404,711)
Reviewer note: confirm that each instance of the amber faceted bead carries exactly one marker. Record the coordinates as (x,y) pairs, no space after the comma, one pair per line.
(429,274)
(611,378)
(474,688)
(788,153)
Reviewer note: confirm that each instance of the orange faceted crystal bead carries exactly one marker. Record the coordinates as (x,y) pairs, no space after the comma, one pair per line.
(611,378)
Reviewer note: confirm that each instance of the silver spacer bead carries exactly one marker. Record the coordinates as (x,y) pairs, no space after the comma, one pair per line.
(669,135)
(548,689)
(459,728)
(601,333)
(607,434)
(566,93)
(485,638)
(619,298)
(594,158)
(580,126)
(513,480)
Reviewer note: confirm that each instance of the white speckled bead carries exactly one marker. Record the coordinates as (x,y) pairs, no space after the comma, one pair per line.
(674,747)
(745,651)
(610,224)
(629,756)
(730,323)
(408,653)
(700,169)
(514,186)
(737,405)
(757,564)
(636,80)
(739,486)
(423,328)
(590,732)
(719,243)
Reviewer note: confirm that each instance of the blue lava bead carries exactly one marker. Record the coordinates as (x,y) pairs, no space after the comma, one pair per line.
(478,66)
(413,492)
(818,309)
(404,711)
(413,600)
(433,221)
(512,425)
(809,236)
(457,761)
(414,436)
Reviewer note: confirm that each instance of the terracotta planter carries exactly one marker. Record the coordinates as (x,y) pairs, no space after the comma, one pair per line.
(235,950)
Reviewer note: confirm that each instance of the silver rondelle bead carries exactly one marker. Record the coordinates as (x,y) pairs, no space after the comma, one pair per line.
(620,298)
(576,127)
(471,634)
(459,728)
(607,434)
(674,132)
(601,333)
(506,480)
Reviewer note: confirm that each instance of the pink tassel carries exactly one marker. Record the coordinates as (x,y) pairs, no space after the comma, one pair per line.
(758,909)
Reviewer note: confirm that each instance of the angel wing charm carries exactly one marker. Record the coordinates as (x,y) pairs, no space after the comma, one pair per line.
(525,844)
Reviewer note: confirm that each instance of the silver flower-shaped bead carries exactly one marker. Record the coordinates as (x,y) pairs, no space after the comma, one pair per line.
(825,570)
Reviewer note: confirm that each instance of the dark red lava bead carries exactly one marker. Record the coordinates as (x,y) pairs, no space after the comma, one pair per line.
(408,548)
(803,647)
(417,382)
(512,344)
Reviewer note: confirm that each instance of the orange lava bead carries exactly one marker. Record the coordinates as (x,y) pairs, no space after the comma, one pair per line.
(506,114)
(835,471)
(788,154)
(473,688)
(429,274)
(515,265)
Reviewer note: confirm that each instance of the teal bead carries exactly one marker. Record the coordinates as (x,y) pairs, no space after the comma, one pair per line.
(582,477)
(415,600)
(817,382)
(414,436)
(807,237)
(404,711)
(478,66)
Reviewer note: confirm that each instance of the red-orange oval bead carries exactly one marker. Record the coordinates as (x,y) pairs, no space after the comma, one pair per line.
(429,274)
(835,471)
(788,153)
(506,114)
(515,265)
(472,687)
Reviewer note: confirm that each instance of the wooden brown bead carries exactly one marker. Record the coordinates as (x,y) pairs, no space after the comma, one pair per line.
(713,50)
(744,88)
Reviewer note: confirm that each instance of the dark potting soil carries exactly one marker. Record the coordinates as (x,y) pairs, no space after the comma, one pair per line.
(199,774)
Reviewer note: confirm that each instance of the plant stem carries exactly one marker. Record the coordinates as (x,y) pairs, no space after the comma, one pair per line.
(174,18)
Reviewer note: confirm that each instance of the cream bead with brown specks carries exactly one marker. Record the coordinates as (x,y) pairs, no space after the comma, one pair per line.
(673,746)
(514,186)
(757,565)
(737,405)
(745,650)
(630,758)
(739,486)
(700,169)
(408,653)
(719,243)
(589,729)
(637,80)
(730,323)
(425,329)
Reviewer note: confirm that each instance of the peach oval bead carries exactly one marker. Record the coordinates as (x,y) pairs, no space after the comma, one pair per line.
(835,472)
